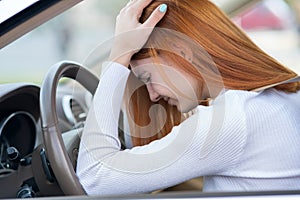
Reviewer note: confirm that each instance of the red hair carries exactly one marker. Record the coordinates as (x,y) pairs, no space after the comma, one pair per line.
(229,54)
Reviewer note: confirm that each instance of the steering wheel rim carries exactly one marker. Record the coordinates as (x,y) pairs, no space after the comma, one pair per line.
(53,141)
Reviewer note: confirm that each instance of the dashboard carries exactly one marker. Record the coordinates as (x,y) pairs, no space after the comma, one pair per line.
(23,160)
(19,121)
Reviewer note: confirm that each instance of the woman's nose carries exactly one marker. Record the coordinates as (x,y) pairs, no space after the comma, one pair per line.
(154,96)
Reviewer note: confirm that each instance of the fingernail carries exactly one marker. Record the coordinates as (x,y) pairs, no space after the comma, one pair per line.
(163,8)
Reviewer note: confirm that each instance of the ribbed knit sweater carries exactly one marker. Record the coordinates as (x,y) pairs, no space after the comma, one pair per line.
(243,141)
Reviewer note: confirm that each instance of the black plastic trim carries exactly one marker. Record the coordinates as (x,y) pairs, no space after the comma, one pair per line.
(25,14)
(46,166)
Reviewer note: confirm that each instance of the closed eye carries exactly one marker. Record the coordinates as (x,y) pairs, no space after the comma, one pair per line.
(145,77)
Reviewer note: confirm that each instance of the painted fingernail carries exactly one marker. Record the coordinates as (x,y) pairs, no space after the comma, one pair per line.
(163,8)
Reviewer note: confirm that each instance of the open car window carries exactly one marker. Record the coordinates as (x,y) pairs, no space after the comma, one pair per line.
(36,34)
(67,36)
(75,33)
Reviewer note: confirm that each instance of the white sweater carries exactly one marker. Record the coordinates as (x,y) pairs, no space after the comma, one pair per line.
(244,141)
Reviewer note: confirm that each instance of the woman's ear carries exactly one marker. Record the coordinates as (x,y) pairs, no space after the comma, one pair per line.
(183,50)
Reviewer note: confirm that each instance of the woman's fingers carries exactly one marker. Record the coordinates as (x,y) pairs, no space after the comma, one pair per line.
(130,34)
(156,16)
(139,5)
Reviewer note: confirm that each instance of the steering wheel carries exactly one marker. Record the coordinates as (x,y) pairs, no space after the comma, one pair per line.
(53,141)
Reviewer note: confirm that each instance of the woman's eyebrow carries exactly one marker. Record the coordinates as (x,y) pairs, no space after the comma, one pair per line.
(140,75)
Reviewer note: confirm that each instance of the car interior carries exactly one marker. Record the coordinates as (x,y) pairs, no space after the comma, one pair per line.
(41,123)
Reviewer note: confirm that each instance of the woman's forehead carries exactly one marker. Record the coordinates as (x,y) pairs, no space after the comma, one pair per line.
(140,62)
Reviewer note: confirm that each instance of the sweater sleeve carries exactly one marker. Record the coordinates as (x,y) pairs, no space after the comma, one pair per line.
(198,146)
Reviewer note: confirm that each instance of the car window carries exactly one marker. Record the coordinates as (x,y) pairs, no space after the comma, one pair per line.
(75,33)
(69,36)
(274,26)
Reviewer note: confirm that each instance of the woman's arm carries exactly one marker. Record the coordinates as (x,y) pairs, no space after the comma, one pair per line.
(194,148)
(204,144)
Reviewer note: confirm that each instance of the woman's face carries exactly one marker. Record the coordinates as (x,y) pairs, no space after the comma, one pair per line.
(167,82)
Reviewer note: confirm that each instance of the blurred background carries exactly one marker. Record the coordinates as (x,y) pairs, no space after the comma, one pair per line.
(273,24)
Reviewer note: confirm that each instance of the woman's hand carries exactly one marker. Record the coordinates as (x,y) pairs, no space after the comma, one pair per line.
(130,34)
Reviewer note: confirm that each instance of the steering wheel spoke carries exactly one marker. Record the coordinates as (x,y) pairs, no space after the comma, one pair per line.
(55,149)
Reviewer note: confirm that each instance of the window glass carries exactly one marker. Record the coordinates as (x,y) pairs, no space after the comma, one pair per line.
(69,36)
(272,24)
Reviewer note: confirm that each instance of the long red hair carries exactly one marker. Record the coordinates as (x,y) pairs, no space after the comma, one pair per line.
(241,64)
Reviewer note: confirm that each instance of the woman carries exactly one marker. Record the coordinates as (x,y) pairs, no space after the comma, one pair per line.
(201,100)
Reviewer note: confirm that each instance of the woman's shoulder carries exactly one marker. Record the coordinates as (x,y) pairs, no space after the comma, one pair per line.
(229,105)
(240,93)
(234,97)
(269,98)
(272,93)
